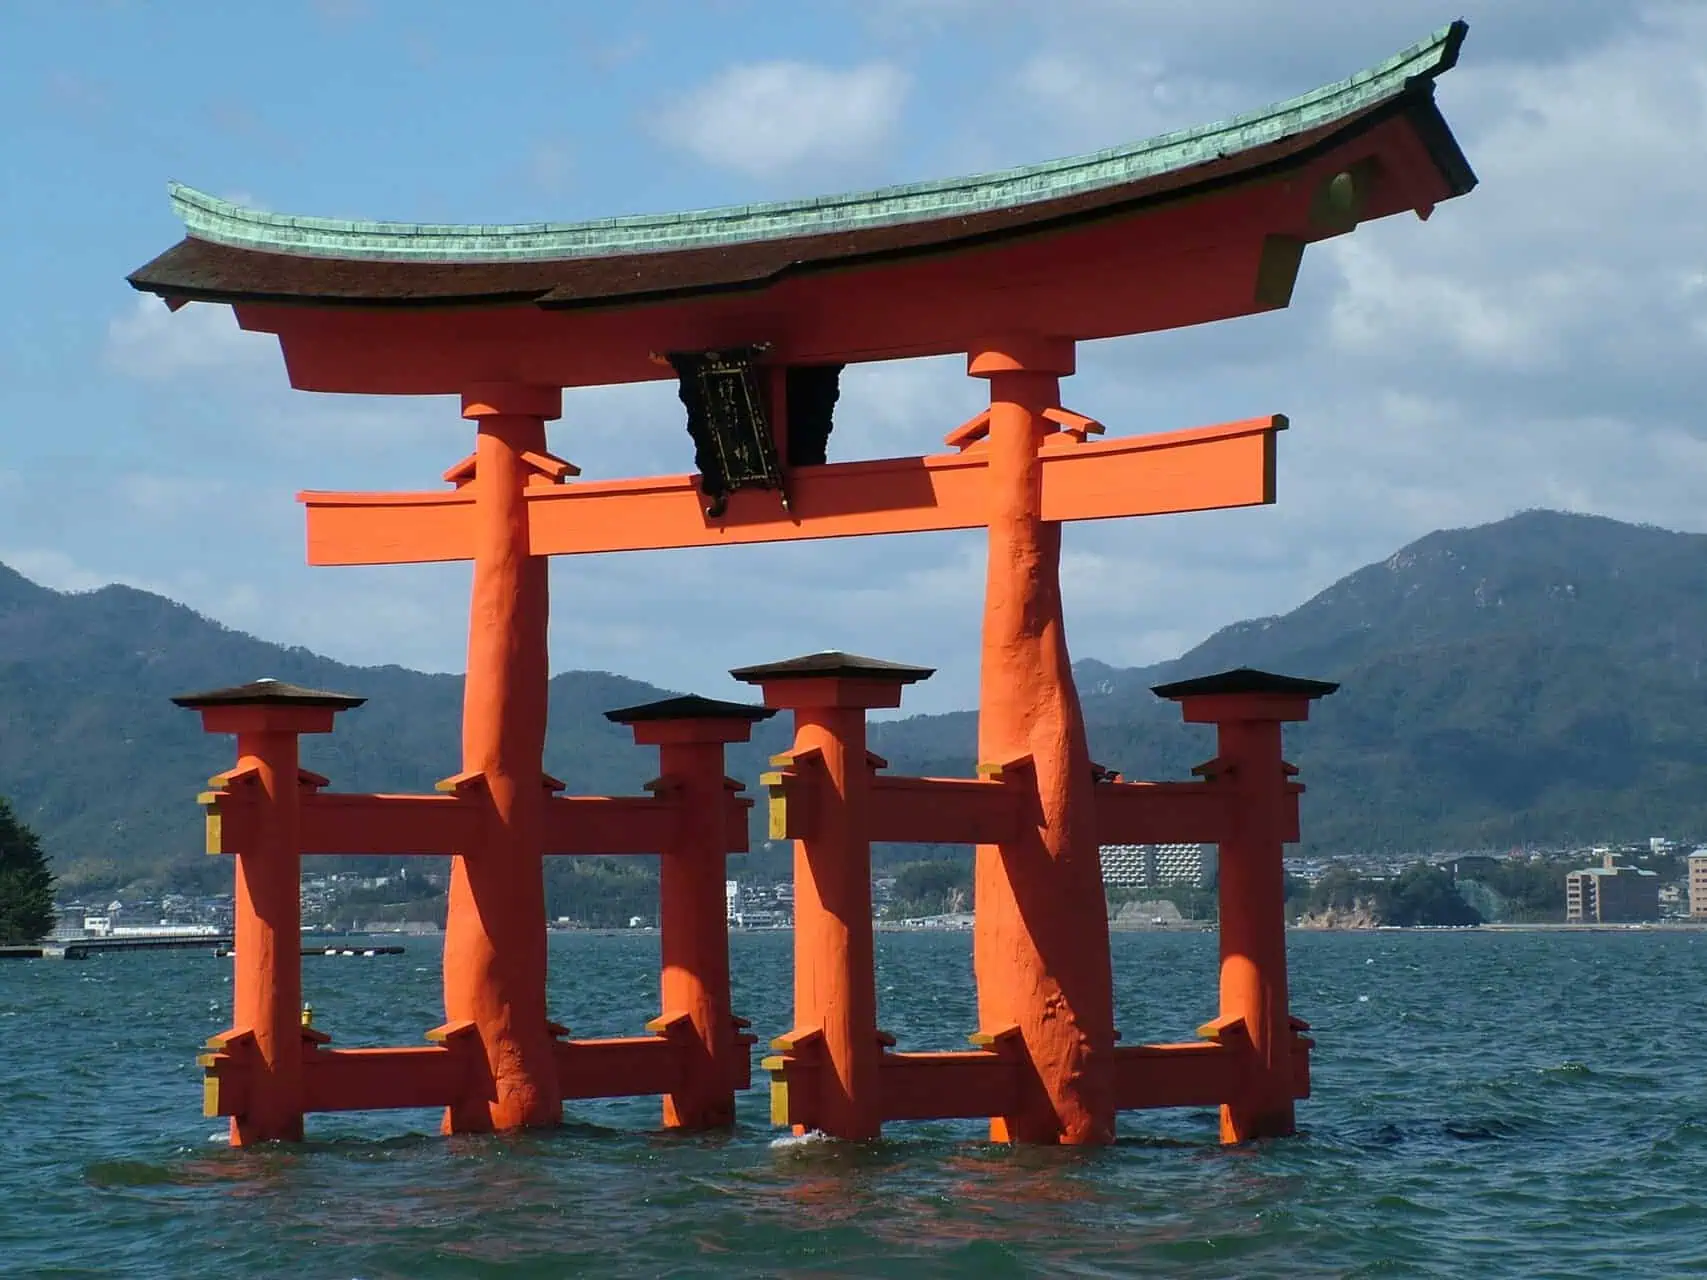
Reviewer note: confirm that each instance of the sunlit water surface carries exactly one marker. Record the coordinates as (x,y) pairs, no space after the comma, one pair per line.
(1485,1104)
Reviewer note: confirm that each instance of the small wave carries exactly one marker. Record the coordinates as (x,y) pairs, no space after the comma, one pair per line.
(127,1173)
(811,1138)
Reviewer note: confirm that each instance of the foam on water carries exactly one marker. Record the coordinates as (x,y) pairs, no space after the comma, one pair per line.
(812,1137)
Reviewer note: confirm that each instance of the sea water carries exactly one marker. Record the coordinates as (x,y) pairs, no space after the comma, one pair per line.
(1485,1104)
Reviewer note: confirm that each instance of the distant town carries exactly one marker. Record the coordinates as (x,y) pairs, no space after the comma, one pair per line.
(1147,886)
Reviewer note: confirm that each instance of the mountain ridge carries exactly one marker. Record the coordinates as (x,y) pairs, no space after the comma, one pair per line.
(1538,679)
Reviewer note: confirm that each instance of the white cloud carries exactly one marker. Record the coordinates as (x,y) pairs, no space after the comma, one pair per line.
(1575,252)
(1385,304)
(151,342)
(770,118)
(551,166)
(159,497)
(1095,105)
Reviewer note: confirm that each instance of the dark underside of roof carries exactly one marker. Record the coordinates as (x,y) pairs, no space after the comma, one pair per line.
(199,270)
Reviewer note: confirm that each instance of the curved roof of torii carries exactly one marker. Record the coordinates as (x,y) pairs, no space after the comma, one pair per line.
(238,255)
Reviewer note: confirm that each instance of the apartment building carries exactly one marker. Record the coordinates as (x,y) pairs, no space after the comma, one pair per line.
(1698,885)
(1156,866)
(1611,894)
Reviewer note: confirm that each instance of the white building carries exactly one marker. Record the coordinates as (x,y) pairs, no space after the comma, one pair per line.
(1156,866)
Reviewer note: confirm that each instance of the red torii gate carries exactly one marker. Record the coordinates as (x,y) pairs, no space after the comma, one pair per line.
(756,310)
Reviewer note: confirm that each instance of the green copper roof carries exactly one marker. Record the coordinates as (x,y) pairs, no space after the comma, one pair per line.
(212,219)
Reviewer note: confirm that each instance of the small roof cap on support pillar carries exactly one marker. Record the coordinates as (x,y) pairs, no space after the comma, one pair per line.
(1245,680)
(1244,693)
(690,718)
(832,679)
(834,664)
(689,706)
(267,705)
(268,692)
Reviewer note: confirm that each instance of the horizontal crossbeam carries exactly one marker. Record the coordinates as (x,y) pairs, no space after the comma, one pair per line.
(434,1075)
(620,1066)
(336,823)
(985,1082)
(969,1085)
(1207,468)
(1161,812)
(383,1079)
(943,811)
(1198,1073)
(989,810)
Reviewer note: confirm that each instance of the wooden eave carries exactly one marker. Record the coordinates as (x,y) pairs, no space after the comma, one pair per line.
(202,270)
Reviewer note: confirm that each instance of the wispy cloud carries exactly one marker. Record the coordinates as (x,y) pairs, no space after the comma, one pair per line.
(150,342)
(770,118)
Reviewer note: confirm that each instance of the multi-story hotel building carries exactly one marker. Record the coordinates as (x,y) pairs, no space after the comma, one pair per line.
(1611,894)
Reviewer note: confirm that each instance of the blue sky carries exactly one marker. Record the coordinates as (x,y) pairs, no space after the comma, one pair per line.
(1538,343)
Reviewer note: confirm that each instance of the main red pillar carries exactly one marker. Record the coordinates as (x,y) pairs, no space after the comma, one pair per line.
(1040,940)
(1247,709)
(835,984)
(693,931)
(266,998)
(495,941)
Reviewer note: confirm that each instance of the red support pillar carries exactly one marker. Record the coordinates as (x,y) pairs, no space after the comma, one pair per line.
(495,943)
(1247,708)
(693,929)
(268,716)
(1040,940)
(835,986)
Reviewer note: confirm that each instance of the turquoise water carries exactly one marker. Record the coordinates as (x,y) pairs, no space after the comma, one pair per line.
(1486,1104)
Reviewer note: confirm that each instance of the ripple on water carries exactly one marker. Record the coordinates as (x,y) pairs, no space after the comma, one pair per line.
(1474,1116)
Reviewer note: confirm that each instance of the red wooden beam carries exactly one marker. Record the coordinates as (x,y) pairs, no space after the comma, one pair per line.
(1198,1073)
(402,825)
(971,1085)
(942,810)
(618,1067)
(607,824)
(1208,468)
(384,1079)
(338,822)
(1194,1074)
(1161,812)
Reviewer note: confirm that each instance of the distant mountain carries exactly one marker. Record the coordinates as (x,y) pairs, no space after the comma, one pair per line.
(1535,680)
(104,768)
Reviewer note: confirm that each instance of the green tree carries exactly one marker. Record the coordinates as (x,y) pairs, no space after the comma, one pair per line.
(1426,895)
(930,888)
(1534,888)
(26,885)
